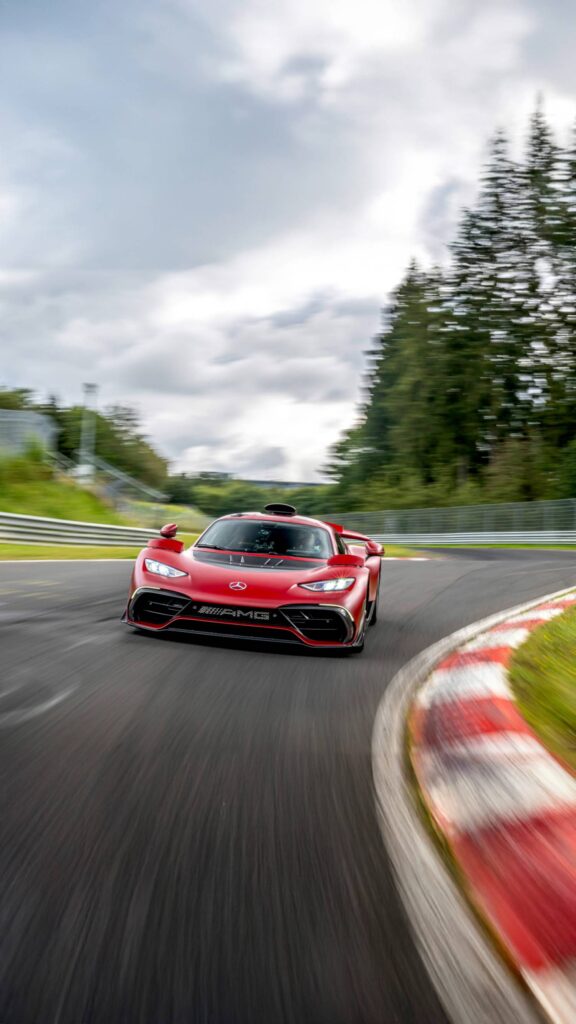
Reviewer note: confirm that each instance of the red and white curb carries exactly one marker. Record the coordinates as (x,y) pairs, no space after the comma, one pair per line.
(505,805)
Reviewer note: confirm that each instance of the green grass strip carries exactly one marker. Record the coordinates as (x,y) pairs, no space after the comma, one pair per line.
(543,678)
(398,551)
(18,552)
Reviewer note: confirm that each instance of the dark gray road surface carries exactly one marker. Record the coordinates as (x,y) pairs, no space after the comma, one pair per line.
(556,556)
(188,832)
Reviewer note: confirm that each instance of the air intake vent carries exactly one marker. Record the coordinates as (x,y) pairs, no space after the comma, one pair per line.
(315,622)
(277,509)
(157,608)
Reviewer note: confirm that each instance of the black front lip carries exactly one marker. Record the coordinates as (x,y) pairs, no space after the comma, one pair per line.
(300,644)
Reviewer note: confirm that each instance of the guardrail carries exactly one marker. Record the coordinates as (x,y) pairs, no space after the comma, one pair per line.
(38,530)
(487,539)
(528,522)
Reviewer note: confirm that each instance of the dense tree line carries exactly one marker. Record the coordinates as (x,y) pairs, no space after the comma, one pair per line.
(218,497)
(470,389)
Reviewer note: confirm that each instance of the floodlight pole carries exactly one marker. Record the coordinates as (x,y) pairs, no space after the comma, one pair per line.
(88,433)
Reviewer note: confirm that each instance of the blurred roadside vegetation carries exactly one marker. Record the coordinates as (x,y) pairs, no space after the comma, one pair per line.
(30,486)
(118,436)
(219,497)
(543,677)
(68,552)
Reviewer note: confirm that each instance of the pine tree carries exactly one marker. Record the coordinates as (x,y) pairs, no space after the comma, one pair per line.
(560,262)
(473,376)
(397,430)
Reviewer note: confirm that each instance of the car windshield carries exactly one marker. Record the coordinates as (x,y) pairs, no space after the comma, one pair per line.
(260,537)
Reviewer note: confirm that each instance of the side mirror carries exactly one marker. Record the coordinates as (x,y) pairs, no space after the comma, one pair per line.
(341,561)
(167,540)
(170,530)
(373,548)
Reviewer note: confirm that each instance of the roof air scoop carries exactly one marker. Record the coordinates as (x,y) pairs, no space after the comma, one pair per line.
(277,509)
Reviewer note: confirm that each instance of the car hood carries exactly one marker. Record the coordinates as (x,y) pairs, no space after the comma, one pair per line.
(265,578)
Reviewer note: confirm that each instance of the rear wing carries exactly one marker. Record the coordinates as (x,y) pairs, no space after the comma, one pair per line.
(348,534)
(352,535)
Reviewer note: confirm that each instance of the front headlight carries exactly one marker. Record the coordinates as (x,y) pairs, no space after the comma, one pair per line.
(160,569)
(341,583)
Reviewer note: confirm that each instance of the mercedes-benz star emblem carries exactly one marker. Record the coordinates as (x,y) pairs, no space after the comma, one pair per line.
(237,585)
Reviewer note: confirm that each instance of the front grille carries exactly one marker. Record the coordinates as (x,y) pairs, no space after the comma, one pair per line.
(318,623)
(234,630)
(157,608)
(186,615)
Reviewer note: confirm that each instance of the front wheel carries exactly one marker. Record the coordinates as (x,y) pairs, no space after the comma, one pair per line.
(373,612)
(359,645)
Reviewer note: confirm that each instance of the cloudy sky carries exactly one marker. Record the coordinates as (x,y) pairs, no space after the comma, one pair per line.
(203,203)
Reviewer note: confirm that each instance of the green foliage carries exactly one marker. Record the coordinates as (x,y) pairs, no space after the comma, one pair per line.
(156,514)
(28,486)
(543,676)
(18,399)
(518,471)
(28,468)
(118,441)
(66,552)
(470,391)
(118,437)
(219,497)
(567,474)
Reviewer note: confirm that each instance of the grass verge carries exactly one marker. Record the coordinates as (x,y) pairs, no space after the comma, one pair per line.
(543,677)
(38,494)
(397,551)
(17,552)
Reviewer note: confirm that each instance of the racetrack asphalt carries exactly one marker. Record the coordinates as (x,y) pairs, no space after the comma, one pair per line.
(188,832)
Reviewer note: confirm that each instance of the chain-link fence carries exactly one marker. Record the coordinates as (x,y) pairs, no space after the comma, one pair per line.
(514,522)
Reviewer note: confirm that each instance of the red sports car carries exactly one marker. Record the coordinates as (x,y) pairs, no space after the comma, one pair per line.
(273,576)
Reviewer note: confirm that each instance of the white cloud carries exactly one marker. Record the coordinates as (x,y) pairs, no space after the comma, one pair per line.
(276,165)
(272,42)
(282,50)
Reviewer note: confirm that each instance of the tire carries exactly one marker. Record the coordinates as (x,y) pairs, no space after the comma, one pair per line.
(359,645)
(357,649)
(373,614)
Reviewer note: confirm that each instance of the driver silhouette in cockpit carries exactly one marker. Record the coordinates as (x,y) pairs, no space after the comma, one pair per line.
(281,541)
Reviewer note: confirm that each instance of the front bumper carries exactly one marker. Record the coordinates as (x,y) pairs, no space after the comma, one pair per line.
(308,625)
